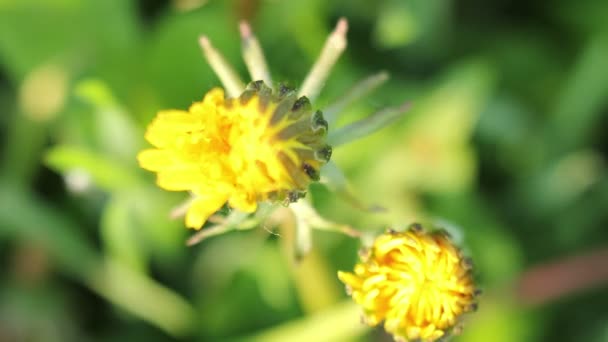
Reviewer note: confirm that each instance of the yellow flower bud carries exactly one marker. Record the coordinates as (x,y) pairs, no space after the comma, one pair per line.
(417,283)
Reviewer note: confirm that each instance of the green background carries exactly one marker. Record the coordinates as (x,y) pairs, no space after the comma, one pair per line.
(505,146)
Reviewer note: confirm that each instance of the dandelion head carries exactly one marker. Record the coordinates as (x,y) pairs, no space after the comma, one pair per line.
(263,145)
(416,282)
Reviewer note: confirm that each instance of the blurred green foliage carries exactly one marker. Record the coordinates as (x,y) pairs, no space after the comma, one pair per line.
(505,146)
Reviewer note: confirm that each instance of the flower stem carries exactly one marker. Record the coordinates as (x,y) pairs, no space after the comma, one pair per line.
(229,78)
(229,223)
(334,45)
(254,55)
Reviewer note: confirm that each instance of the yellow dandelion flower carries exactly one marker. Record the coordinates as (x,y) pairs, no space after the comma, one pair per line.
(258,143)
(264,145)
(417,282)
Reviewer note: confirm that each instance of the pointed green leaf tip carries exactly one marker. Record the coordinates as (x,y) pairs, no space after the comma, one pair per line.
(367,126)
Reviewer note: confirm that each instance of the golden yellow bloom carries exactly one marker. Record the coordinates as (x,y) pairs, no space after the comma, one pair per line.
(263,145)
(418,283)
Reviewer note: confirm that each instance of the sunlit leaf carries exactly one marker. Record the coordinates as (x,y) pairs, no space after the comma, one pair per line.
(144,297)
(106,173)
(115,131)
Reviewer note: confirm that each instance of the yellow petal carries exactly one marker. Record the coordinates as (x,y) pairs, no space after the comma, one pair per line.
(350,279)
(169,124)
(180,180)
(155,160)
(203,207)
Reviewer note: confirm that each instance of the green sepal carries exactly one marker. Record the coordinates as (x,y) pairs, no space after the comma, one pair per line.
(366,126)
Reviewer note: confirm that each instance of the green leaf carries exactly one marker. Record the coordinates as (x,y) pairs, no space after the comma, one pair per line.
(24,216)
(108,174)
(145,298)
(116,133)
(358,91)
(338,323)
(580,105)
(120,234)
